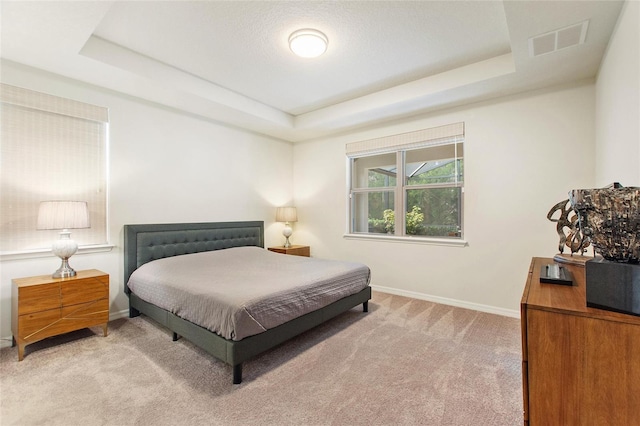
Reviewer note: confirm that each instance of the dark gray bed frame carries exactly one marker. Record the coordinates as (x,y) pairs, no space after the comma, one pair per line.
(144,243)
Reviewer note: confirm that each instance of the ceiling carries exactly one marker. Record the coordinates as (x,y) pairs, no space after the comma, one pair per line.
(229,61)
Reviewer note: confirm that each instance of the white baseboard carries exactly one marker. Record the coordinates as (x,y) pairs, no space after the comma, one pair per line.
(446,301)
(5,341)
(120,314)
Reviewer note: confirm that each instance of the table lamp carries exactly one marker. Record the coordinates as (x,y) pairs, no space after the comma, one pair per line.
(286,215)
(63,215)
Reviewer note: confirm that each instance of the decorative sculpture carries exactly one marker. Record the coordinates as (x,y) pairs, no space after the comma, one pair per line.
(567,226)
(610,218)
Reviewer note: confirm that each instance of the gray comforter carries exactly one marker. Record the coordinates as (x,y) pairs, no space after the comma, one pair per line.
(242,291)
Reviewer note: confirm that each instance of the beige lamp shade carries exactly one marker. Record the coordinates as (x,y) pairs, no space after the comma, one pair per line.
(286,214)
(63,215)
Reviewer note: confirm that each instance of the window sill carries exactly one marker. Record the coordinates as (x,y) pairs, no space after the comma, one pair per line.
(33,254)
(414,240)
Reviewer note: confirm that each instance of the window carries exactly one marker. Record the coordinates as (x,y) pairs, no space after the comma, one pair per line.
(52,149)
(427,193)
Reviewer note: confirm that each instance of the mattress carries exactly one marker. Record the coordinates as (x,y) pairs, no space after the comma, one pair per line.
(242,291)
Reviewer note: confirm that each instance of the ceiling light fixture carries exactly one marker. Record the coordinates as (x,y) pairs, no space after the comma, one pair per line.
(308,43)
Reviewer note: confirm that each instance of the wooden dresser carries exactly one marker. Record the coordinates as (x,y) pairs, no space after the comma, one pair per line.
(43,306)
(580,366)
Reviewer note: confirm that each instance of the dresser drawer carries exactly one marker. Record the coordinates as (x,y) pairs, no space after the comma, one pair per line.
(84,290)
(37,298)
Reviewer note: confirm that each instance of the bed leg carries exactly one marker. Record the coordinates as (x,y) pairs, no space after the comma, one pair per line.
(133,312)
(175,336)
(237,374)
(365,306)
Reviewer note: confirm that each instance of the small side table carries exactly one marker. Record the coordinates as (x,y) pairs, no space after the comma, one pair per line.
(293,250)
(43,306)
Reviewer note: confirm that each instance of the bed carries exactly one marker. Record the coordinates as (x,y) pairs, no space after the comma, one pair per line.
(147,243)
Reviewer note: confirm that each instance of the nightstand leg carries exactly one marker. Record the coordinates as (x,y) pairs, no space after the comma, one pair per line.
(13,342)
(104,329)
(21,351)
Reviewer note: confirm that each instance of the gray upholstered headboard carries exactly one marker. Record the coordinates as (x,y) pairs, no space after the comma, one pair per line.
(144,243)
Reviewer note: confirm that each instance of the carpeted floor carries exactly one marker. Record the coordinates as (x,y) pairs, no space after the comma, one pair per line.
(406,362)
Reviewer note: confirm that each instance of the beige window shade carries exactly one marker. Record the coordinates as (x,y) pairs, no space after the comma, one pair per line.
(52,149)
(428,137)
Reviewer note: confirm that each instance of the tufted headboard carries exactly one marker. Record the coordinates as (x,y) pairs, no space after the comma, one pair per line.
(144,243)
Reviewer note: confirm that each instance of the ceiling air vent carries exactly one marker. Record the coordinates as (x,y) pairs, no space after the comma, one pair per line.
(572,35)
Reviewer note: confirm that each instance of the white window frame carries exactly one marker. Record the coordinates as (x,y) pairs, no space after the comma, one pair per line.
(400,144)
(70,141)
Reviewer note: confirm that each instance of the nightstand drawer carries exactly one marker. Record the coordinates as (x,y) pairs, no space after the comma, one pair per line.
(37,298)
(84,290)
(39,323)
(85,314)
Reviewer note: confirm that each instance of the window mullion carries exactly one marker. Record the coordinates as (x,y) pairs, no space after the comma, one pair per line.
(401,181)
(436,185)
(376,189)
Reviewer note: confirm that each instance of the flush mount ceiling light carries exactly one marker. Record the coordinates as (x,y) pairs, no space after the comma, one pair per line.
(308,43)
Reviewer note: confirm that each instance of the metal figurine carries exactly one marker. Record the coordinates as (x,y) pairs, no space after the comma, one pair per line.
(573,238)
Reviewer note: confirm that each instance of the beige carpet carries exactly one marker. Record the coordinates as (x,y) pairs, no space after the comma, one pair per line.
(406,362)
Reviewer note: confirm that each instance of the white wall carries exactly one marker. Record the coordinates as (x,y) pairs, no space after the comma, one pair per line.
(522,155)
(164,167)
(618,103)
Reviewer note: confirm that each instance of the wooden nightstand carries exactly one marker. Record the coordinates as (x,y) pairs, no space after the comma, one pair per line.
(294,250)
(42,306)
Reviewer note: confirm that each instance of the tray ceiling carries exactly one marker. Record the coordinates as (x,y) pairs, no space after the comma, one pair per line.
(229,61)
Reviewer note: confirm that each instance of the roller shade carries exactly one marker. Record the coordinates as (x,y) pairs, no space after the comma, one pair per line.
(441,135)
(52,149)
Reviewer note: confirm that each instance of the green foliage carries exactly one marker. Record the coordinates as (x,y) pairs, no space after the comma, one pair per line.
(414,222)
(379,180)
(442,174)
(389,221)
(376,226)
(415,219)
